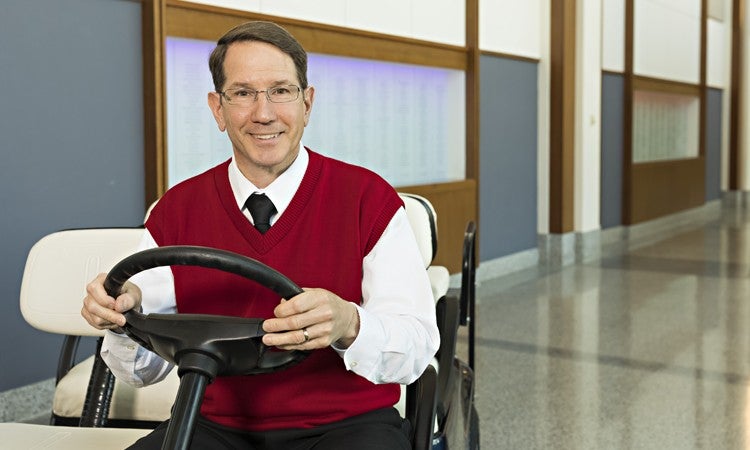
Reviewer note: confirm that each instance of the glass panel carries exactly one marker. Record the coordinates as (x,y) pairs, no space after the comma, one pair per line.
(665,126)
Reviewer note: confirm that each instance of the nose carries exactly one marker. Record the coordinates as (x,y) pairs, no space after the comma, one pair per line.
(262,110)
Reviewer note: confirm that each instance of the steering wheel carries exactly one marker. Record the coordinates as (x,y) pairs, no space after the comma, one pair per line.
(202,346)
(234,342)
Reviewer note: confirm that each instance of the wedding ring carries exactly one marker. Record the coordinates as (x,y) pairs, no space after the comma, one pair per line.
(305,334)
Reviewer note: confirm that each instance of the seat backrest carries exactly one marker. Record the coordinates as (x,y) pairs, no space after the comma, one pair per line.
(468,286)
(58,268)
(423,221)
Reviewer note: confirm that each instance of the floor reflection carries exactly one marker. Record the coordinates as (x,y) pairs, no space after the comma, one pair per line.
(647,349)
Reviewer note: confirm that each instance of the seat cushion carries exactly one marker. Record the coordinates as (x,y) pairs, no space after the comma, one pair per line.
(152,403)
(24,435)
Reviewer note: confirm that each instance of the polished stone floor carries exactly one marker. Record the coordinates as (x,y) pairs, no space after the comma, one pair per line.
(643,348)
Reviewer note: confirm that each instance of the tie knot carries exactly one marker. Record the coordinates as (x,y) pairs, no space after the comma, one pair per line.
(261,208)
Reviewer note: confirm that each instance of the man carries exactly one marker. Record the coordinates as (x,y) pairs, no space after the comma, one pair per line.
(338,229)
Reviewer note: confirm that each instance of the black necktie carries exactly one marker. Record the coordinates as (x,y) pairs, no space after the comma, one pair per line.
(261,208)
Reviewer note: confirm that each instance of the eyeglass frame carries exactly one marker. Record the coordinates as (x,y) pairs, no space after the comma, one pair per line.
(265,91)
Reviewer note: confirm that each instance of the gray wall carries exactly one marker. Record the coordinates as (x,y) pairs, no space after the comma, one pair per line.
(72,144)
(611,141)
(508,157)
(714,110)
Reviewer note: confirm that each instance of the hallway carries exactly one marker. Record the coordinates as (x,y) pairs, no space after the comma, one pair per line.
(643,348)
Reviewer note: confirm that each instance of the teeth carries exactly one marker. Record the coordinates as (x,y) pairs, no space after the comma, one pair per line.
(266,136)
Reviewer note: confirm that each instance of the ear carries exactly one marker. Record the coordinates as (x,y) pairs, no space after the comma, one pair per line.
(214,102)
(309,96)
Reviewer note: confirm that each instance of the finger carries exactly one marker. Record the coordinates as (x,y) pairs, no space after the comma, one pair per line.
(295,305)
(279,325)
(315,309)
(99,316)
(318,315)
(287,338)
(125,302)
(318,336)
(95,290)
(129,298)
(101,310)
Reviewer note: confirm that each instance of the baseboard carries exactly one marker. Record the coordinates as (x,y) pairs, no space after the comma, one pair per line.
(555,251)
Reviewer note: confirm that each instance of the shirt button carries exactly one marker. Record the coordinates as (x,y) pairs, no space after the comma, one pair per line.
(131,347)
(354,364)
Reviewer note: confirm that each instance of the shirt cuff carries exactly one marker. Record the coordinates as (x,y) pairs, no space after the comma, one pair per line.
(121,345)
(119,352)
(359,357)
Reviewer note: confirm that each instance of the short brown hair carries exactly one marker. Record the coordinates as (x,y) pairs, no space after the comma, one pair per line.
(267,32)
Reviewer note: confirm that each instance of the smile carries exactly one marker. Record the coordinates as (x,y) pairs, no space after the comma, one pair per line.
(265,137)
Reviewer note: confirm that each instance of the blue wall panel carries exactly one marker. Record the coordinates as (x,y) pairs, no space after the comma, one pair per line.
(508,157)
(713,143)
(612,150)
(72,144)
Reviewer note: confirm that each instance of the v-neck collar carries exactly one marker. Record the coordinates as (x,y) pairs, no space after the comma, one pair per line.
(264,242)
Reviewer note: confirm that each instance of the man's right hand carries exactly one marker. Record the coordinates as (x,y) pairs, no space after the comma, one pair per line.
(104,312)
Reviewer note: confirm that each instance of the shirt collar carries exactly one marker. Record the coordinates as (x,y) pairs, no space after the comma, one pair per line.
(280,191)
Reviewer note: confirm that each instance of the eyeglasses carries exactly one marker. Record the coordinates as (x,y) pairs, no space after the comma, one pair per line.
(247,96)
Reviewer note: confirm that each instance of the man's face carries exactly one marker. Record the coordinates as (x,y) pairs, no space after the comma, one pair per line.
(265,136)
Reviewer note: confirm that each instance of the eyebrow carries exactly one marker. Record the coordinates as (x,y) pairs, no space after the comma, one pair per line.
(248,86)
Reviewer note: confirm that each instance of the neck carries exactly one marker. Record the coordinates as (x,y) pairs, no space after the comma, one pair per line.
(262,176)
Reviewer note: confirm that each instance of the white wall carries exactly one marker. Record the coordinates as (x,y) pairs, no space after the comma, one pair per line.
(511,26)
(666,39)
(543,121)
(718,53)
(744,138)
(442,21)
(587,189)
(719,69)
(613,35)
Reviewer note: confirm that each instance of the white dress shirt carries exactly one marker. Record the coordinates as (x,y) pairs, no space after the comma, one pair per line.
(398,335)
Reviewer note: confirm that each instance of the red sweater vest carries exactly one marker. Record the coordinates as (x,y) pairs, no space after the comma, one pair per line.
(337,215)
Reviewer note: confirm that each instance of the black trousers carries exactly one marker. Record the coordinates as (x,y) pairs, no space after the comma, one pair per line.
(382,429)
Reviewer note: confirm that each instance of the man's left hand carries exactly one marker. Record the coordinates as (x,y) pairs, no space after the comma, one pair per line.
(314,319)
